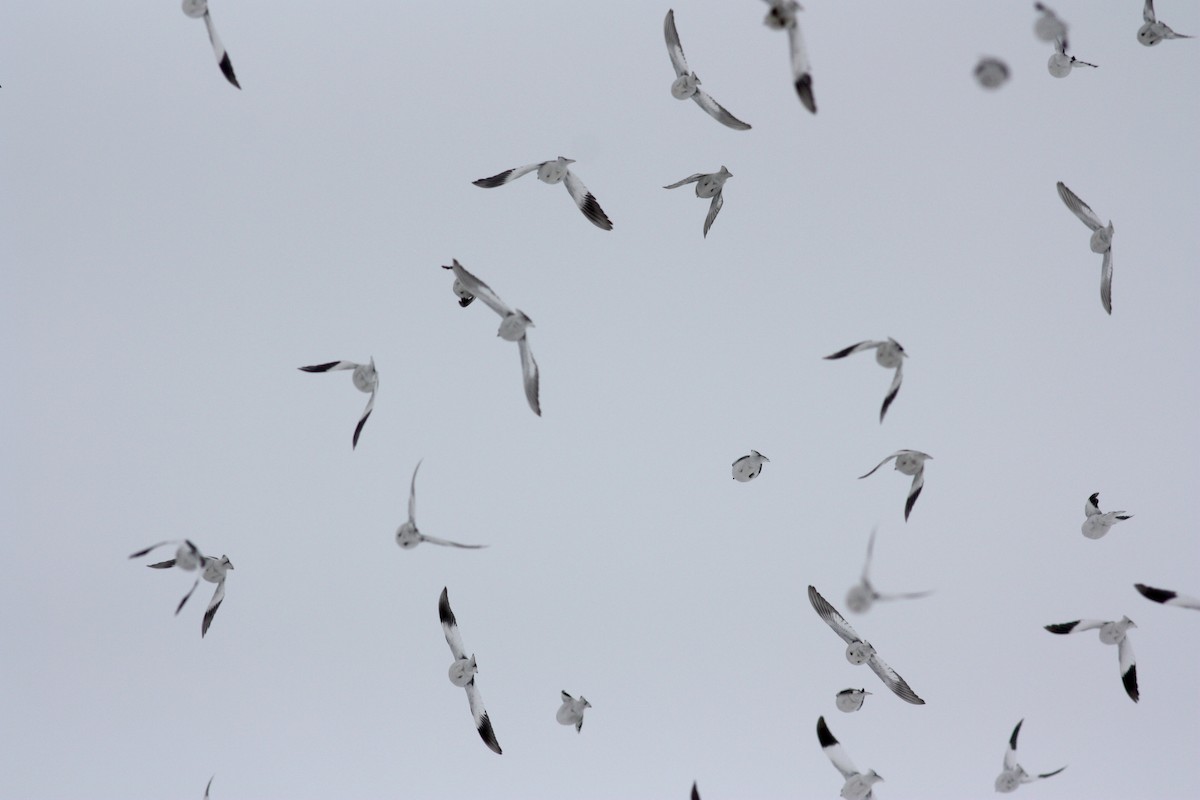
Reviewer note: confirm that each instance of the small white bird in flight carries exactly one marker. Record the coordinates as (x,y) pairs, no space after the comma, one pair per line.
(708,184)
(1014,774)
(747,468)
(513,323)
(687,83)
(1110,633)
(1153,31)
(571,711)
(863,594)
(462,673)
(1060,64)
(408,536)
(365,379)
(858,785)
(465,298)
(1098,524)
(991,72)
(556,172)
(1048,26)
(781,16)
(198,9)
(849,700)
(1101,241)
(860,651)
(908,462)
(188,558)
(889,355)
(1167,597)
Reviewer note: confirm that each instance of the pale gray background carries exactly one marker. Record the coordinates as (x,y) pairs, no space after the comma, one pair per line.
(173,249)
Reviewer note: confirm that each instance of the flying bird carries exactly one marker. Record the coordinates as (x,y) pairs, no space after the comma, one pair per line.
(747,468)
(1153,31)
(465,298)
(1061,64)
(863,594)
(991,73)
(849,700)
(571,711)
(1014,774)
(1167,597)
(198,9)
(860,651)
(513,323)
(188,558)
(1110,633)
(365,379)
(1048,26)
(908,462)
(858,784)
(1097,524)
(556,172)
(708,184)
(889,355)
(781,16)
(408,536)
(687,83)
(1101,241)
(462,673)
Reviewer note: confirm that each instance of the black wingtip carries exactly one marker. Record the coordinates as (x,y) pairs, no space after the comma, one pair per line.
(804,89)
(496,180)
(1151,593)
(1130,681)
(1062,627)
(208,618)
(695,792)
(444,612)
(227,70)
(912,501)
(319,367)
(1012,740)
(465,301)
(488,735)
(358,430)
(592,210)
(823,734)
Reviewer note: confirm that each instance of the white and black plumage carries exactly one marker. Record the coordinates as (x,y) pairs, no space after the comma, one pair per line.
(860,651)
(198,9)
(1167,597)
(991,73)
(1110,633)
(366,380)
(708,184)
(465,298)
(1061,64)
(1014,774)
(782,16)
(863,594)
(687,83)
(1101,241)
(571,711)
(462,673)
(748,467)
(409,536)
(850,700)
(555,171)
(1096,524)
(1152,31)
(908,462)
(889,355)
(513,323)
(858,785)
(188,557)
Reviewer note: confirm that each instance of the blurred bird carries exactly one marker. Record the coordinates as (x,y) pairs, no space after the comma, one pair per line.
(556,172)
(781,16)
(571,711)
(365,379)
(1110,633)
(1098,524)
(858,784)
(188,557)
(991,73)
(462,673)
(1048,26)
(687,83)
(747,468)
(1061,64)
(889,355)
(198,9)
(708,184)
(849,700)
(908,462)
(1014,774)
(863,594)
(1153,31)
(407,535)
(1101,241)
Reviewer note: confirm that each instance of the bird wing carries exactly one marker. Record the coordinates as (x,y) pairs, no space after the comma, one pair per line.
(1148,12)
(170,562)
(674,48)
(834,750)
(690,179)
(1106,269)
(1079,208)
(881,463)
(801,74)
(892,680)
(447,542)
(1048,774)
(213,605)
(179,607)
(363,421)
(901,595)
(831,616)
(914,491)
(209,786)
(412,496)
(718,112)
(508,176)
(219,50)
(330,365)
(1010,754)
(714,208)
(586,202)
(854,348)
(893,390)
(450,626)
(1167,597)
(1128,668)
(1092,507)
(1075,627)
(480,290)
(870,552)
(479,714)
(529,370)
(695,792)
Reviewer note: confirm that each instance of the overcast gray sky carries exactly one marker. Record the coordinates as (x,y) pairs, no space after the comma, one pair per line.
(174,249)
